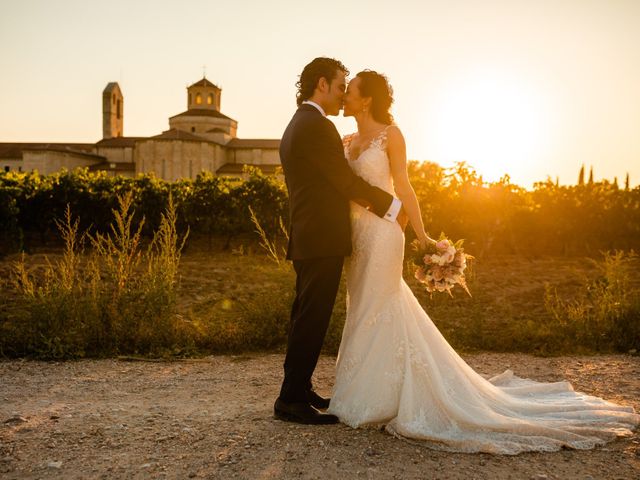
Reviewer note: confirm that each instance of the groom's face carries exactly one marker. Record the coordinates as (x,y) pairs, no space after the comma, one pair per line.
(335,95)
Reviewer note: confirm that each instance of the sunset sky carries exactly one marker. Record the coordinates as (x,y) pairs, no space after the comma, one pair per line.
(529,88)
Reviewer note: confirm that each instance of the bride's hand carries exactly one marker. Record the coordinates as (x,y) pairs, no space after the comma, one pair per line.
(425,240)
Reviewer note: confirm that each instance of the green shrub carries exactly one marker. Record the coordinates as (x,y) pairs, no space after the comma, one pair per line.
(31,204)
(119,298)
(606,315)
(549,219)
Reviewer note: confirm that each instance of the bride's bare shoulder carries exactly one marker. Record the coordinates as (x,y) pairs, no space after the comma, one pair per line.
(394,135)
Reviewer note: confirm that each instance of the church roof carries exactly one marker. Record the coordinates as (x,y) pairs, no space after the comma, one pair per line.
(253,143)
(204,83)
(237,168)
(175,134)
(202,112)
(77,153)
(14,150)
(110,87)
(119,141)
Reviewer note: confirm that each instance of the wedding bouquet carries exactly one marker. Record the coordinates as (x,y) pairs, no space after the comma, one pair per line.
(441,266)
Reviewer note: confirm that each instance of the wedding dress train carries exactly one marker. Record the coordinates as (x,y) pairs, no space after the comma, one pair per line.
(395,368)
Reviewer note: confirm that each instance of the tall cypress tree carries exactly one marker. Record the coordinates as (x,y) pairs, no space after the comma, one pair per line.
(581,175)
(591,175)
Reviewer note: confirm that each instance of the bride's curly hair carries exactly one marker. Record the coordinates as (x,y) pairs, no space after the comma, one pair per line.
(313,72)
(376,86)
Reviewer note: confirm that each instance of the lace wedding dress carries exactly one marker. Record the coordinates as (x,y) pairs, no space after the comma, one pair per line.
(395,368)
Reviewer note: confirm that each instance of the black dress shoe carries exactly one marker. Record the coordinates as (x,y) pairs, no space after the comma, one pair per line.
(317,401)
(301,412)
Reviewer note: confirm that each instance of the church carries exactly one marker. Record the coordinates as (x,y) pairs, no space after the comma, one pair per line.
(199,139)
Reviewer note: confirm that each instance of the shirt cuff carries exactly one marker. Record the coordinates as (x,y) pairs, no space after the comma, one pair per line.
(394,210)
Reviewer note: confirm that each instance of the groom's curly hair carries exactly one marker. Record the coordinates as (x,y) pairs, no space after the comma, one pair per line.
(313,72)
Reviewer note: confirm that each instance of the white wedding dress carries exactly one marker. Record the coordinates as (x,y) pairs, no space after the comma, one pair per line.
(395,368)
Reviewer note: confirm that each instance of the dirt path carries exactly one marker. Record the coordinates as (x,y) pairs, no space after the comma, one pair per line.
(211,418)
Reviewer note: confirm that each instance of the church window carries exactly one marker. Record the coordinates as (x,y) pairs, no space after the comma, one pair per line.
(189,99)
(198,99)
(193,129)
(119,109)
(209,99)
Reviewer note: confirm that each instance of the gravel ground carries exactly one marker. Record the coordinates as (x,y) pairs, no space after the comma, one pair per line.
(212,418)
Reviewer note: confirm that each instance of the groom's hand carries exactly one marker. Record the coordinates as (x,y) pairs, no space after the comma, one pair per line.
(403,218)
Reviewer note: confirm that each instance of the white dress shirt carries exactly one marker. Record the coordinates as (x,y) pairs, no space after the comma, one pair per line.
(396,204)
(309,102)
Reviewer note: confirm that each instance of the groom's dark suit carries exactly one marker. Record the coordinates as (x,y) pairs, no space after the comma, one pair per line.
(320,184)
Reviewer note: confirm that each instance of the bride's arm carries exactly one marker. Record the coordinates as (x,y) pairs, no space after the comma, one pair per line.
(397,151)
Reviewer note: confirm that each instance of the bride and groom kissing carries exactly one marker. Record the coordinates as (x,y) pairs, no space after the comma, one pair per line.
(350,200)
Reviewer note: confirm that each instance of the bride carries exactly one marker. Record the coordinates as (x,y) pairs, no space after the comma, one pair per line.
(395,368)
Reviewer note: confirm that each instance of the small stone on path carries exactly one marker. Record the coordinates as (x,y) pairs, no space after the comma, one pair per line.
(15,419)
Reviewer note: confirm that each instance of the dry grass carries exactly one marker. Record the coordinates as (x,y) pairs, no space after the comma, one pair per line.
(116,297)
(239,301)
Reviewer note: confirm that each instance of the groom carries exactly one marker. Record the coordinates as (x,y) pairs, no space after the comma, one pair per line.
(320,184)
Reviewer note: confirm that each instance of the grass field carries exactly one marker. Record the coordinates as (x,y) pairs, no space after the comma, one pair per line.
(239,300)
(507,302)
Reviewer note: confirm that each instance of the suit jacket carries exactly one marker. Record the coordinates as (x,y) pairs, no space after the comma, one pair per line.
(320,184)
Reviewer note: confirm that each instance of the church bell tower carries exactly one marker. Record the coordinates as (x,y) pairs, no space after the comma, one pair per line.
(204,95)
(112,111)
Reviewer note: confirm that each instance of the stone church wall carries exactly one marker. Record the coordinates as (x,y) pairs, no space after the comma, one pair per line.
(47,162)
(172,160)
(116,154)
(253,156)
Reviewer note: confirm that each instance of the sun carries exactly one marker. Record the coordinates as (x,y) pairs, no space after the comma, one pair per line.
(493,121)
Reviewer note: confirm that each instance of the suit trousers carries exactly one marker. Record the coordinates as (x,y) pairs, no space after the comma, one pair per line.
(317,282)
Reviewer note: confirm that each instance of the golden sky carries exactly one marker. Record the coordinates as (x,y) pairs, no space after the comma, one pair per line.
(530,88)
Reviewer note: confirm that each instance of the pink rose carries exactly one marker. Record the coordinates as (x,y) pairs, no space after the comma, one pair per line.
(442,244)
(460,260)
(448,256)
(420,274)
(437,273)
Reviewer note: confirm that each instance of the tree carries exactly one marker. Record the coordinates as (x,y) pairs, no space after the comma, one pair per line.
(581,176)
(591,175)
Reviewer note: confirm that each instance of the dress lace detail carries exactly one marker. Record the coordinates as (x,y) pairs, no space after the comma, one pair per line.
(395,368)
